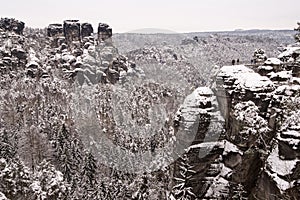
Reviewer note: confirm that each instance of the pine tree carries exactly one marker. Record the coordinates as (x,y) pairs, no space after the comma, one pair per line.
(49,183)
(62,147)
(8,145)
(62,142)
(15,179)
(239,192)
(182,190)
(89,172)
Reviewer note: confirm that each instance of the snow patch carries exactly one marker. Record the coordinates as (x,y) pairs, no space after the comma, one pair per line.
(283,74)
(266,67)
(246,78)
(207,145)
(230,147)
(2,196)
(278,166)
(273,61)
(281,184)
(288,52)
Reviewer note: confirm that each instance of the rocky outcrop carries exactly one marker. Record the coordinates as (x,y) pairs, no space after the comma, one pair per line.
(104,32)
(55,30)
(257,121)
(86,30)
(74,31)
(9,24)
(13,54)
(71,29)
(200,124)
(258,154)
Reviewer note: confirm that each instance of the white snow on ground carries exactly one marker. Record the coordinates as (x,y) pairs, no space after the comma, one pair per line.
(204,91)
(2,196)
(291,133)
(289,51)
(282,74)
(266,67)
(295,80)
(281,184)
(225,171)
(197,97)
(224,144)
(246,77)
(290,137)
(230,147)
(287,89)
(207,145)
(280,167)
(273,61)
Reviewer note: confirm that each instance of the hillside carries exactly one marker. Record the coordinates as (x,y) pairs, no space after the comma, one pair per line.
(88,114)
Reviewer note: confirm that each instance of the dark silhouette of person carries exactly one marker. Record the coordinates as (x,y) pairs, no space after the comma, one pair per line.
(233,62)
(238,61)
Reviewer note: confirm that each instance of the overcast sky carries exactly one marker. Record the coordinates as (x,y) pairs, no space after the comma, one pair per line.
(175,15)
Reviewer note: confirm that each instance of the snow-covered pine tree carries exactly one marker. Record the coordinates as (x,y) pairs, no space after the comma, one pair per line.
(89,171)
(182,190)
(8,144)
(49,183)
(14,179)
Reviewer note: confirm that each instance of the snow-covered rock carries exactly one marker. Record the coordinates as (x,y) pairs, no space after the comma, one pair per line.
(273,61)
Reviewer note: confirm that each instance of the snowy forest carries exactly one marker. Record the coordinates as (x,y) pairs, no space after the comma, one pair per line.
(88,114)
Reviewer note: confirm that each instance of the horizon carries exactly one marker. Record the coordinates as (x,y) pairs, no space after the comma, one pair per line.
(182,17)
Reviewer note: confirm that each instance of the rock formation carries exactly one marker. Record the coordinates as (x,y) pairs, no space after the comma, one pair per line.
(9,24)
(71,29)
(54,30)
(86,30)
(104,32)
(257,155)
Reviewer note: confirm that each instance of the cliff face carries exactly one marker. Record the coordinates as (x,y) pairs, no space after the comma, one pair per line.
(257,155)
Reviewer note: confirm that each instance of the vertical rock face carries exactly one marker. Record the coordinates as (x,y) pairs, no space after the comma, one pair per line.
(9,24)
(258,157)
(55,30)
(72,30)
(86,30)
(258,122)
(104,32)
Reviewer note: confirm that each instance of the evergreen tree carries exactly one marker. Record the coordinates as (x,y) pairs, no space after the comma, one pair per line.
(49,183)
(89,172)
(14,179)
(182,190)
(8,145)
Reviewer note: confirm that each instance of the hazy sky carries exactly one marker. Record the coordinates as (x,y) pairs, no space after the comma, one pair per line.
(175,15)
